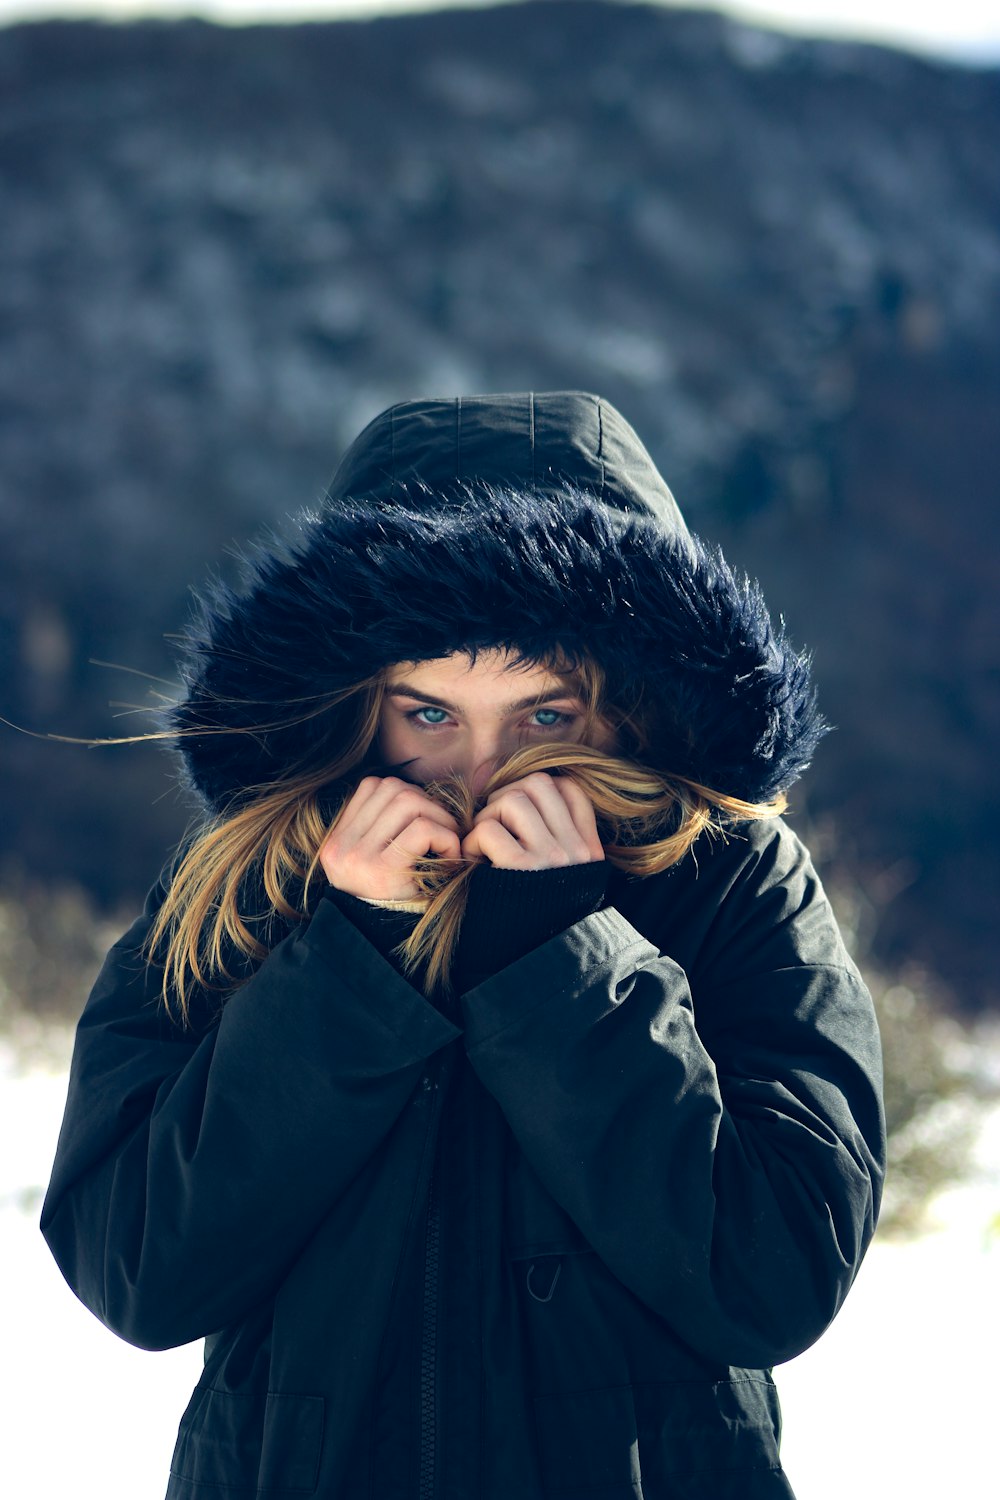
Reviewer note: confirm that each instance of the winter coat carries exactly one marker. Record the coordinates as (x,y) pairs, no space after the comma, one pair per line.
(548,1240)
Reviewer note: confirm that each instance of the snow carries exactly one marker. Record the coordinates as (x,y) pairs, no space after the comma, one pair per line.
(896,1398)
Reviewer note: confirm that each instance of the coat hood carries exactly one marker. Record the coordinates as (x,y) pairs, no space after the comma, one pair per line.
(520,520)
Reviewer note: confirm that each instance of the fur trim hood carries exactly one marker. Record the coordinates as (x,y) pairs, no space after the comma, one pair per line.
(523,521)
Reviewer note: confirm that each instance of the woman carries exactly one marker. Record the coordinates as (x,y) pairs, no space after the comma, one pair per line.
(487,1083)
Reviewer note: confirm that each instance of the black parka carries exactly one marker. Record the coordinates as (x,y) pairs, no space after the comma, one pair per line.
(550,1239)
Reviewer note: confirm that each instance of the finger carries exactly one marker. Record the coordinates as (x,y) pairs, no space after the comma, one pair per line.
(490,840)
(519,813)
(390,806)
(362,808)
(519,819)
(570,814)
(406,809)
(581,810)
(361,794)
(557,815)
(421,837)
(541,786)
(384,808)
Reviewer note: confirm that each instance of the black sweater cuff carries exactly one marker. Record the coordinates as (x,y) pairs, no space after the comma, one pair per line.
(510,912)
(507,914)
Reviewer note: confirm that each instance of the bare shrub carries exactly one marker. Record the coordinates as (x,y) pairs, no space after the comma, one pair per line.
(53,939)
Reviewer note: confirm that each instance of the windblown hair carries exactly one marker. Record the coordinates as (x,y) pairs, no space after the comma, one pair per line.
(266,852)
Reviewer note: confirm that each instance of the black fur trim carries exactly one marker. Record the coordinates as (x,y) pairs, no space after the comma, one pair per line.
(371,582)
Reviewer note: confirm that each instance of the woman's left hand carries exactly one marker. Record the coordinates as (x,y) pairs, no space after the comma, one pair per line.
(538,823)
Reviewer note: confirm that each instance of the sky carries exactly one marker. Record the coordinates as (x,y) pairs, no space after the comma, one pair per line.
(963,30)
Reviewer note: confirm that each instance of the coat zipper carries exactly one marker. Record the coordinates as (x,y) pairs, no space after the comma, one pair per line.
(427,1481)
(428,1344)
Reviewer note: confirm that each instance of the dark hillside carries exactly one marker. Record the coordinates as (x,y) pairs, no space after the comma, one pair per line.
(222,250)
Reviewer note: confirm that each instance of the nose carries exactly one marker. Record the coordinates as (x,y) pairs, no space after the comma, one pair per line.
(482,773)
(483,755)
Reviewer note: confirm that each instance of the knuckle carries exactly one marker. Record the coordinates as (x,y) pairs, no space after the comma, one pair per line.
(411,796)
(431,816)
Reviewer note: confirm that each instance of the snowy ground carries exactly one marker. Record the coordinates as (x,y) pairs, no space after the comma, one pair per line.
(898,1398)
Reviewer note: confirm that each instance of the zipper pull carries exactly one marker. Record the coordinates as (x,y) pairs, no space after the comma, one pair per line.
(545,1289)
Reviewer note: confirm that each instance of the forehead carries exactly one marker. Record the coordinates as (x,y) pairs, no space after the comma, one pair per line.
(494,672)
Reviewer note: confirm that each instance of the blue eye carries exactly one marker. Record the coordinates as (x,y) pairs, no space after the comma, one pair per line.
(551,718)
(430,717)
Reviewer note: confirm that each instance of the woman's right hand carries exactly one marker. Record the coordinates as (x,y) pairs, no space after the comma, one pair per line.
(385,827)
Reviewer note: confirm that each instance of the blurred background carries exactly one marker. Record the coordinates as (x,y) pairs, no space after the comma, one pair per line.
(776,248)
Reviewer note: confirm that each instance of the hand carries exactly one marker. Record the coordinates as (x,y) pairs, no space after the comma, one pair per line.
(386,826)
(537,823)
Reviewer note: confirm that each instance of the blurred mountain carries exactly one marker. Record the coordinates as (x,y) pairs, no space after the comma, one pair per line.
(223,250)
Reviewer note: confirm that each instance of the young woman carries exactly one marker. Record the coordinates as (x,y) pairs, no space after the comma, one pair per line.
(486,1082)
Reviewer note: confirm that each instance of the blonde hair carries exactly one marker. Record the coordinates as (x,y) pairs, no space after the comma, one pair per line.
(270,845)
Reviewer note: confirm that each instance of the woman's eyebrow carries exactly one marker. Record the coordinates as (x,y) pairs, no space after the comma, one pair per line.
(398,690)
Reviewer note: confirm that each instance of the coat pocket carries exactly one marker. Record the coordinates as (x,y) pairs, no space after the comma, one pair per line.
(685,1440)
(534,1223)
(241,1441)
(539,1235)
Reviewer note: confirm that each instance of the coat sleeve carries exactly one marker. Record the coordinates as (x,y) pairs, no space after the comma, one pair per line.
(719,1138)
(192,1167)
